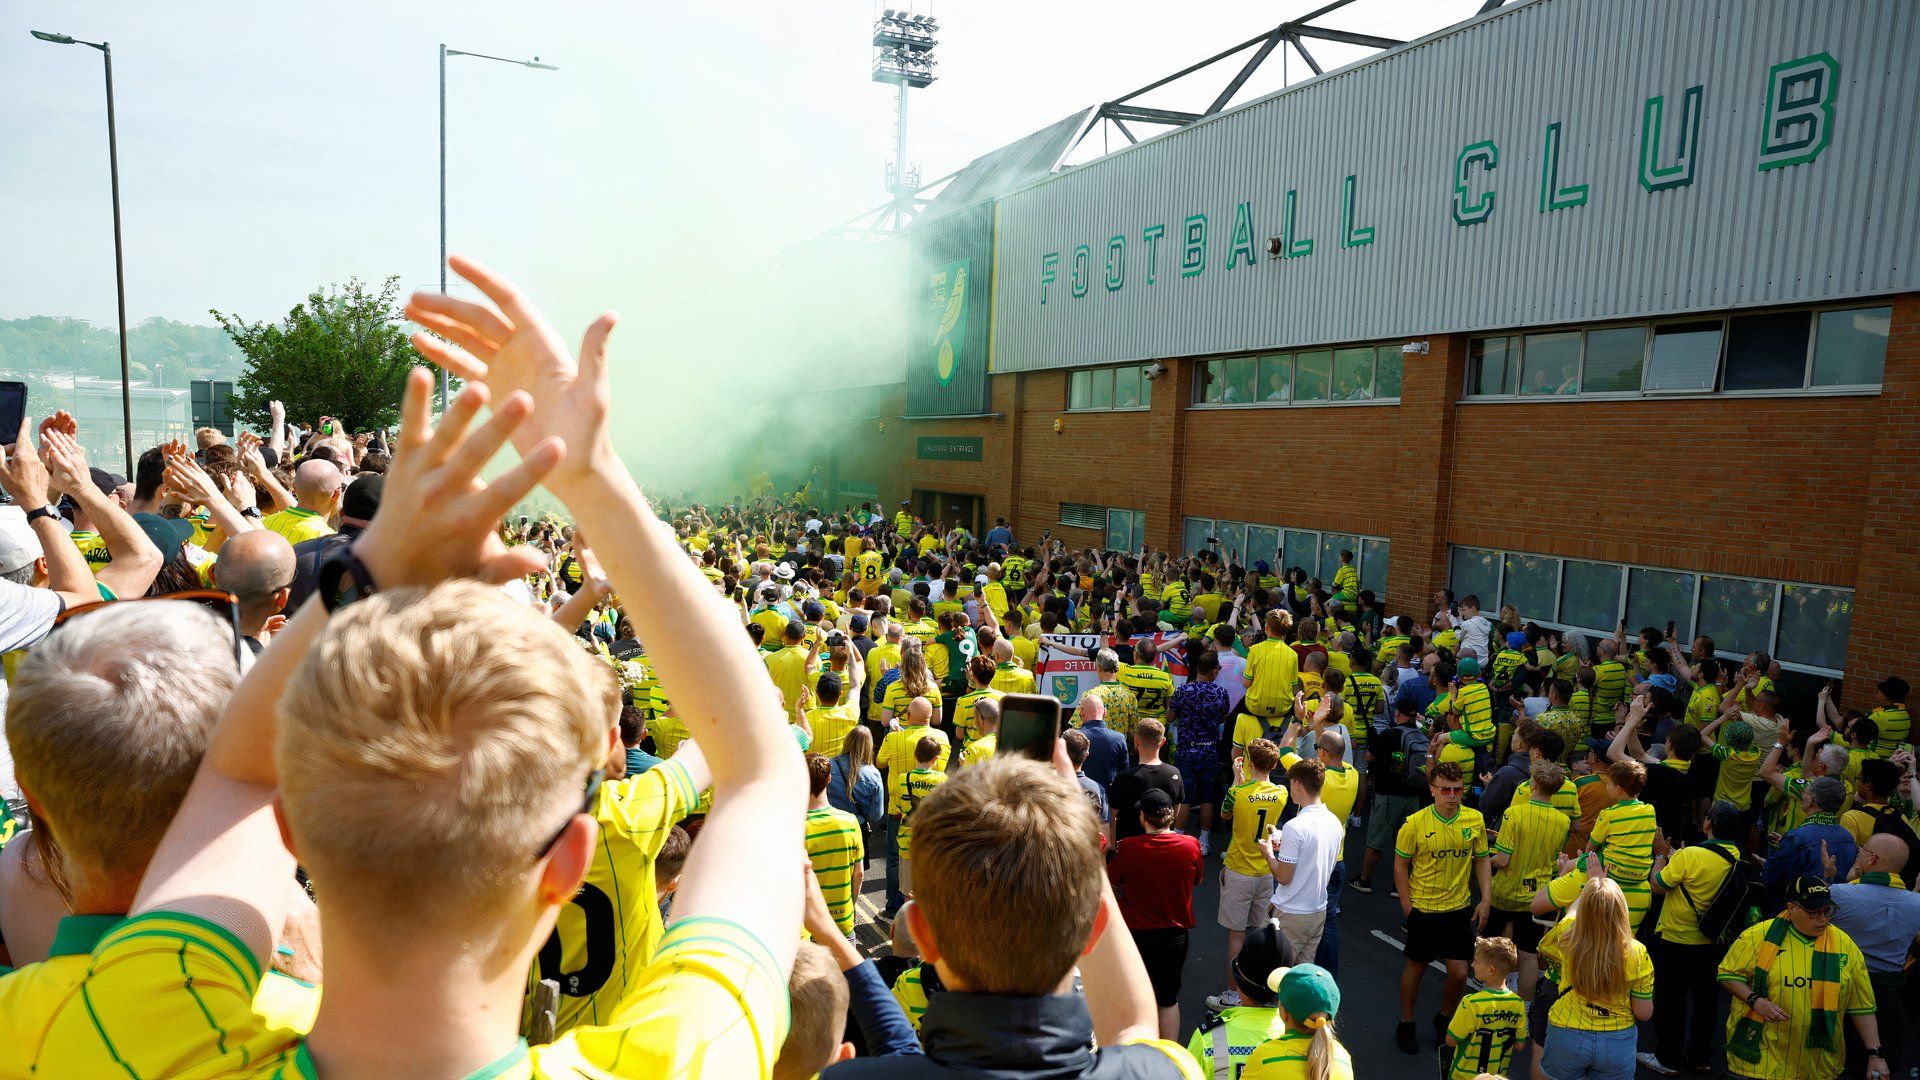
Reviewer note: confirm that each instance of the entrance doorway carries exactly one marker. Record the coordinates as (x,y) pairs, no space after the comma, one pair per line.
(952,509)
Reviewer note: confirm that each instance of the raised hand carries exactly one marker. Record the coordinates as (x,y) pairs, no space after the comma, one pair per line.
(438,520)
(66,462)
(515,349)
(23,474)
(60,421)
(185,476)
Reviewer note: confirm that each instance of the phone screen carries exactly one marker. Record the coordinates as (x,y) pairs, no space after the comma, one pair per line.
(1029,724)
(13,410)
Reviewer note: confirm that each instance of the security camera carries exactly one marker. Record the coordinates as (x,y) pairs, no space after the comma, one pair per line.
(1414,348)
(1154,370)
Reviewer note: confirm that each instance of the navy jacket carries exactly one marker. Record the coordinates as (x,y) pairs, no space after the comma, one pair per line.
(993,1037)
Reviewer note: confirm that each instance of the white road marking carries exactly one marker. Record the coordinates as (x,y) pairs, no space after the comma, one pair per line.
(1395,942)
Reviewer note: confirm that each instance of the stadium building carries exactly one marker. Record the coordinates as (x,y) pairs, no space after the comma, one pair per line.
(1610,311)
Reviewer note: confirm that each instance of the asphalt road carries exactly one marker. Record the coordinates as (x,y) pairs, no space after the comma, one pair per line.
(1369,970)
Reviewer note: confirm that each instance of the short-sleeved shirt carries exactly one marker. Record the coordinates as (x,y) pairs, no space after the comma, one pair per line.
(1133,783)
(896,750)
(297,525)
(1011,678)
(1574,1011)
(172,995)
(1151,686)
(1894,725)
(1692,878)
(1486,1028)
(904,792)
(788,668)
(1254,808)
(980,749)
(1122,706)
(1623,834)
(897,698)
(1737,769)
(1531,835)
(1610,684)
(595,969)
(1285,1058)
(1272,669)
(963,707)
(1474,702)
(1442,852)
(830,724)
(1199,712)
(1784,1050)
(834,849)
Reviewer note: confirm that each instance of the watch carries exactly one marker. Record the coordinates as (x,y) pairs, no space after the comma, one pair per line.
(250,512)
(1752,996)
(42,512)
(1873,1051)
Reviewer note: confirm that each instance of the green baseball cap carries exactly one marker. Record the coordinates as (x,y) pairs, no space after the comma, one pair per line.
(1309,990)
(1468,666)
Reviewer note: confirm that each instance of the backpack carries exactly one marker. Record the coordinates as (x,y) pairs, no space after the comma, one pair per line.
(1736,906)
(1414,745)
(1888,821)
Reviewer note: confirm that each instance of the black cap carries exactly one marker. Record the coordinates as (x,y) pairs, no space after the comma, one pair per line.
(812,610)
(1155,799)
(1810,893)
(1265,951)
(830,683)
(1599,747)
(107,482)
(362,499)
(836,638)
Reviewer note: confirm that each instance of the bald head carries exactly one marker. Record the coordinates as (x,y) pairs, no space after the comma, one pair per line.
(920,711)
(1003,651)
(1889,853)
(1333,746)
(257,567)
(316,483)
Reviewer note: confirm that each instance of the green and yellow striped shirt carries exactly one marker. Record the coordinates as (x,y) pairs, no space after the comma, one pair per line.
(834,849)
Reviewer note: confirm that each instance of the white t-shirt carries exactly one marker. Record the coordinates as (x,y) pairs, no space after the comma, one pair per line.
(1473,637)
(1232,667)
(1311,843)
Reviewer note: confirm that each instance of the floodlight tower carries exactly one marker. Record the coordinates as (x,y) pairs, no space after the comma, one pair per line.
(903,56)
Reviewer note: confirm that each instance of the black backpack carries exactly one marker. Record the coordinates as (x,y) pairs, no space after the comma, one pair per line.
(1737,905)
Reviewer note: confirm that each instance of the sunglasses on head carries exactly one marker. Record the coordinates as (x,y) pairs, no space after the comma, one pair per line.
(594,780)
(224,606)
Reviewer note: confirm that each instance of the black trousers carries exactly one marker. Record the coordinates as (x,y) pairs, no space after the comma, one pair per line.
(1683,977)
(1890,1009)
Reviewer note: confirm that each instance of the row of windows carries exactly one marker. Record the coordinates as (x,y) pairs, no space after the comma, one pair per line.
(1316,552)
(1313,376)
(1803,626)
(1841,348)
(1126,529)
(1110,388)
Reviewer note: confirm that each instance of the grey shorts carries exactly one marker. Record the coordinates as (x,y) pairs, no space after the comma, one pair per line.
(1245,900)
(1385,815)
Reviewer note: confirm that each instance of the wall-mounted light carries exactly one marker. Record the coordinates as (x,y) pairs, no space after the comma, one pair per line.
(1155,370)
(1273,246)
(1059,425)
(1414,348)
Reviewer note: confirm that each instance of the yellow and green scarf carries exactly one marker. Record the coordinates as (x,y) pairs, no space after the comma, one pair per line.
(1891,881)
(1823,1023)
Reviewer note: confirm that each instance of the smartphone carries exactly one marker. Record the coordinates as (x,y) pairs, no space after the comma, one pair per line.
(1029,724)
(13,410)
(1669,629)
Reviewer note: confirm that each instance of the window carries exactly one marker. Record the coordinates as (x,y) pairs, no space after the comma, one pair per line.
(1551,364)
(1212,382)
(1737,613)
(1263,544)
(1243,374)
(1233,541)
(1476,572)
(1083,516)
(1613,360)
(1752,352)
(1767,352)
(1805,627)
(1493,366)
(1195,534)
(1590,594)
(1686,356)
(1312,375)
(1126,530)
(1331,545)
(1532,584)
(1850,347)
(1353,375)
(1814,623)
(1276,379)
(1110,388)
(1386,371)
(1656,597)
(1373,567)
(1303,550)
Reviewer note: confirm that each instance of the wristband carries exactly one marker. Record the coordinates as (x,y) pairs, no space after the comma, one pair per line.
(1752,996)
(42,512)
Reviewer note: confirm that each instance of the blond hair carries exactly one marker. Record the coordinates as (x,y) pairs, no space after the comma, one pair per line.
(1595,946)
(819,1015)
(1008,835)
(107,721)
(1320,1057)
(432,738)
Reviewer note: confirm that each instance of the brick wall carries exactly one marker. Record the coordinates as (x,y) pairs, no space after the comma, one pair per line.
(1887,576)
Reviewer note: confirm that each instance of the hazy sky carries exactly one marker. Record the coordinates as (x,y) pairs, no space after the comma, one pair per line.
(266,149)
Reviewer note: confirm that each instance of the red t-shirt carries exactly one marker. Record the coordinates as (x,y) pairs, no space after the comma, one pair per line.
(1154,876)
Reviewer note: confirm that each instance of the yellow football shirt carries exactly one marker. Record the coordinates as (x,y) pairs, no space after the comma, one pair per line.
(1693,877)
(1703,705)
(296,524)
(963,707)
(1610,685)
(1151,687)
(895,757)
(605,936)
(881,659)
(774,622)
(1026,652)
(788,669)
(1285,1058)
(1784,1051)
(1737,770)
(1574,1011)
(980,749)
(830,724)
(1474,702)
(1442,852)
(1486,1028)
(1123,708)
(1565,889)
(93,548)
(1623,834)
(1566,800)
(834,849)
(1254,808)
(898,699)
(1531,834)
(1011,678)
(905,790)
(1894,725)
(1272,669)
(869,567)
(1346,580)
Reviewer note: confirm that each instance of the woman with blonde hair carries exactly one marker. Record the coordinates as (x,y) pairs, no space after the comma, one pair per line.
(1606,984)
(916,680)
(1308,1049)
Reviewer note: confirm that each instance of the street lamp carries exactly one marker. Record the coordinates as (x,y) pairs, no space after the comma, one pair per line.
(444,53)
(119,262)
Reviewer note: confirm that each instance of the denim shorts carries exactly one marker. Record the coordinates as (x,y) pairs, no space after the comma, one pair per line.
(1589,1055)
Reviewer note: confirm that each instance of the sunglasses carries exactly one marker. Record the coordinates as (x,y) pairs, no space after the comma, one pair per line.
(224,605)
(594,779)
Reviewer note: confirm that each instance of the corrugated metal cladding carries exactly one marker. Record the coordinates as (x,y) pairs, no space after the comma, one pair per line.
(1844,224)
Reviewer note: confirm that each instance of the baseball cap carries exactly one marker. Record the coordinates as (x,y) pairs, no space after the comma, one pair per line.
(830,683)
(362,499)
(1307,991)
(979,579)
(1155,799)
(106,481)
(769,592)
(813,610)
(1468,666)
(1810,893)
(836,638)
(1261,566)
(167,534)
(1517,640)
(1599,747)
(858,622)
(19,547)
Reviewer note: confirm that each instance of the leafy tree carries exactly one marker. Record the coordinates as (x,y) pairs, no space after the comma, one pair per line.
(343,353)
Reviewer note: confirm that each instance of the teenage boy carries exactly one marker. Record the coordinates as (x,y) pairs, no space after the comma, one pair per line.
(446,793)
(1437,849)
(1252,807)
